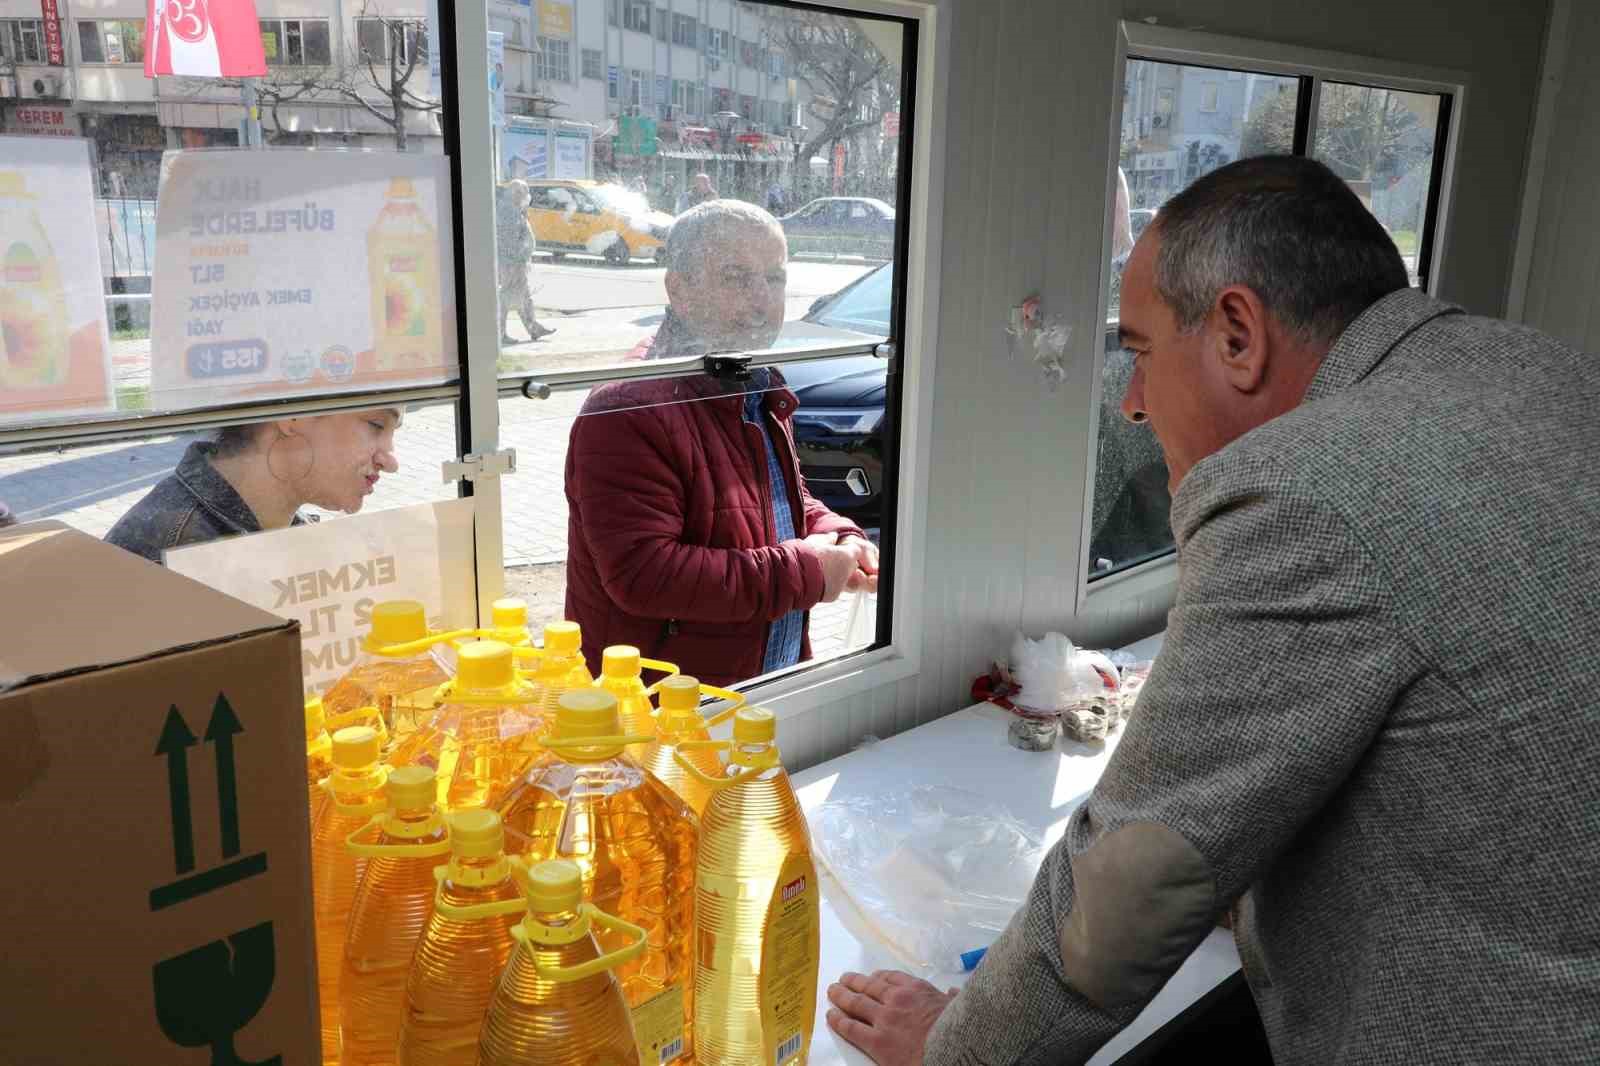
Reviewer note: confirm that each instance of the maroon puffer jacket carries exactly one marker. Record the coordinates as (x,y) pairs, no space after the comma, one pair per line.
(670,538)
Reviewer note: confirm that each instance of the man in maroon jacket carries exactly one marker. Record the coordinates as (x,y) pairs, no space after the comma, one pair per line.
(691,534)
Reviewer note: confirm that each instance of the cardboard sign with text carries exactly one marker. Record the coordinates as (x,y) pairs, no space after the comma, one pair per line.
(55,355)
(328,575)
(293,271)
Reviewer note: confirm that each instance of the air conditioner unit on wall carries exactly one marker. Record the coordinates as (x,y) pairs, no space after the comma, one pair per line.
(47,86)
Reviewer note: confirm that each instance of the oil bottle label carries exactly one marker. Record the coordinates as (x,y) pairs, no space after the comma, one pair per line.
(789,959)
(658,1027)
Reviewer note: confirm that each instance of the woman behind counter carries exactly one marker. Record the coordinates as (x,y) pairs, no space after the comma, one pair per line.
(257,477)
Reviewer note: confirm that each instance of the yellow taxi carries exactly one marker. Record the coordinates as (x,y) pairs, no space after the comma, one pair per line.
(594,218)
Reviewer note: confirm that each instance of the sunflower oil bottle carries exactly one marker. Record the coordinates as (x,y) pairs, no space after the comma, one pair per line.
(560,666)
(558,1002)
(354,794)
(756,905)
(484,734)
(35,326)
(399,669)
(403,270)
(678,721)
(392,905)
(621,671)
(634,841)
(510,622)
(464,947)
(319,756)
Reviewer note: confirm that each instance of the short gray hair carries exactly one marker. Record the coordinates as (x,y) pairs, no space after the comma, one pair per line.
(1286,227)
(699,229)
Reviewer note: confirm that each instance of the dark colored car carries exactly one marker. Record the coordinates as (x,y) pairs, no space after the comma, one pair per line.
(841,223)
(838,427)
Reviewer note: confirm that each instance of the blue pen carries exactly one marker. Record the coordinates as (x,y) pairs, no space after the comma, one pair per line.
(970,959)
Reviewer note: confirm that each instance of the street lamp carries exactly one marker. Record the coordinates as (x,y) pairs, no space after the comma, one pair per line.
(724,121)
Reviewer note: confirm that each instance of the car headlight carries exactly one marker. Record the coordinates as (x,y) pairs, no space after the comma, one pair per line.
(840,419)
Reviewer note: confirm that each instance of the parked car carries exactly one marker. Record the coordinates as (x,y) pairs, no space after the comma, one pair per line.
(860,218)
(595,219)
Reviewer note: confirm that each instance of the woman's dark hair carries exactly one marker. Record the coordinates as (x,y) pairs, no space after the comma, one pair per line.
(234,440)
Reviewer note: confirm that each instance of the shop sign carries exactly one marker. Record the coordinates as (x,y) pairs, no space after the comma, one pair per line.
(525,151)
(891,123)
(328,575)
(54,351)
(572,155)
(295,271)
(555,19)
(55,54)
(44,121)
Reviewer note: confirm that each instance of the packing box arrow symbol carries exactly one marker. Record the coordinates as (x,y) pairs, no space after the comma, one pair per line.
(175,742)
(224,724)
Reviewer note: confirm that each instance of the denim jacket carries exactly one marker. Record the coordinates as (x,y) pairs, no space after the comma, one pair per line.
(193,505)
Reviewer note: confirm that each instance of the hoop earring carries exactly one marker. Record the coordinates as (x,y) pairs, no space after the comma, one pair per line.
(310,459)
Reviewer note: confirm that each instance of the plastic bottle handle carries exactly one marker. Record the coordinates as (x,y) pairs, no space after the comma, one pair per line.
(706,779)
(610,960)
(472,912)
(411,647)
(368,716)
(736,700)
(384,851)
(569,743)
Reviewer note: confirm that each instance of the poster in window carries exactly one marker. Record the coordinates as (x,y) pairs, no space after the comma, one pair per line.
(295,271)
(525,151)
(572,155)
(497,78)
(54,350)
(555,19)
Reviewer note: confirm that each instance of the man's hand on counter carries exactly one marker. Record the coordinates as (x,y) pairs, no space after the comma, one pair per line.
(887,1016)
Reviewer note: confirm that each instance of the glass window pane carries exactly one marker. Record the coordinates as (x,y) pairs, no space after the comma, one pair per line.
(1179,123)
(318,47)
(1382,142)
(89,43)
(133,40)
(561,563)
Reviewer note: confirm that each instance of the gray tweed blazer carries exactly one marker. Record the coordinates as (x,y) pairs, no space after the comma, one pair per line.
(1373,733)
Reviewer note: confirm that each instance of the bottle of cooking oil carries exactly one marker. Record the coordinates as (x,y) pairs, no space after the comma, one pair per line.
(319,756)
(392,904)
(484,734)
(621,671)
(634,841)
(398,671)
(756,906)
(560,667)
(403,269)
(354,794)
(558,1003)
(678,721)
(463,948)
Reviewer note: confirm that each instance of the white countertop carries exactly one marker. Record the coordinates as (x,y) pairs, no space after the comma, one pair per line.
(968,750)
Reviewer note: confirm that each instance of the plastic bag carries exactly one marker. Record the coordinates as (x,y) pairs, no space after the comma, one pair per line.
(933,872)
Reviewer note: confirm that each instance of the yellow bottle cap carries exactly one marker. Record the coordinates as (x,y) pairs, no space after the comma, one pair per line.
(401,189)
(396,622)
(554,885)
(356,748)
(510,613)
(485,664)
(316,718)
(584,713)
(680,694)
(620,662)
(476,834)
(410,788)
(563,638)
(754,725)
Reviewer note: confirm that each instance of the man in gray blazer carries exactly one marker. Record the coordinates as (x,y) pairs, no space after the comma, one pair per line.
(1373,734)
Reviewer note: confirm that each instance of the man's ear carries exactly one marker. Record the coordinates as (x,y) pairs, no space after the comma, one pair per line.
(1243,342)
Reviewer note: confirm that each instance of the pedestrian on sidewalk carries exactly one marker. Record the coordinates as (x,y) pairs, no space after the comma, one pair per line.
(515,245)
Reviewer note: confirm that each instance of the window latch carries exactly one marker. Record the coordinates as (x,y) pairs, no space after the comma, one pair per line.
(885,351)
(728,367)
(476,467)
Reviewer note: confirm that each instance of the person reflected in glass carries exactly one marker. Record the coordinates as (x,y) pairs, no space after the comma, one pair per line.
(691,534)
(258,477)
(515,245)
(700,191)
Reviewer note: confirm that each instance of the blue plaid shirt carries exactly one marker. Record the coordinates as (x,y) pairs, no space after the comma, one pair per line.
(783,640)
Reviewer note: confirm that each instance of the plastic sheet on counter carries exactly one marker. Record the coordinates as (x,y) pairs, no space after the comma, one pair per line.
(932,872)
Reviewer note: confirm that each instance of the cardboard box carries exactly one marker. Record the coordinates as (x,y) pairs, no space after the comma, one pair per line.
(152,765)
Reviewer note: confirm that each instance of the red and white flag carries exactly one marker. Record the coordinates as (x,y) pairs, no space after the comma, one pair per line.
(203,39)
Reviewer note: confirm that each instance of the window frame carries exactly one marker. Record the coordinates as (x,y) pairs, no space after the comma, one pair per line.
(479,387)
(544,50)
(1313,66)
(596,54)
(132,55)
(16,41)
